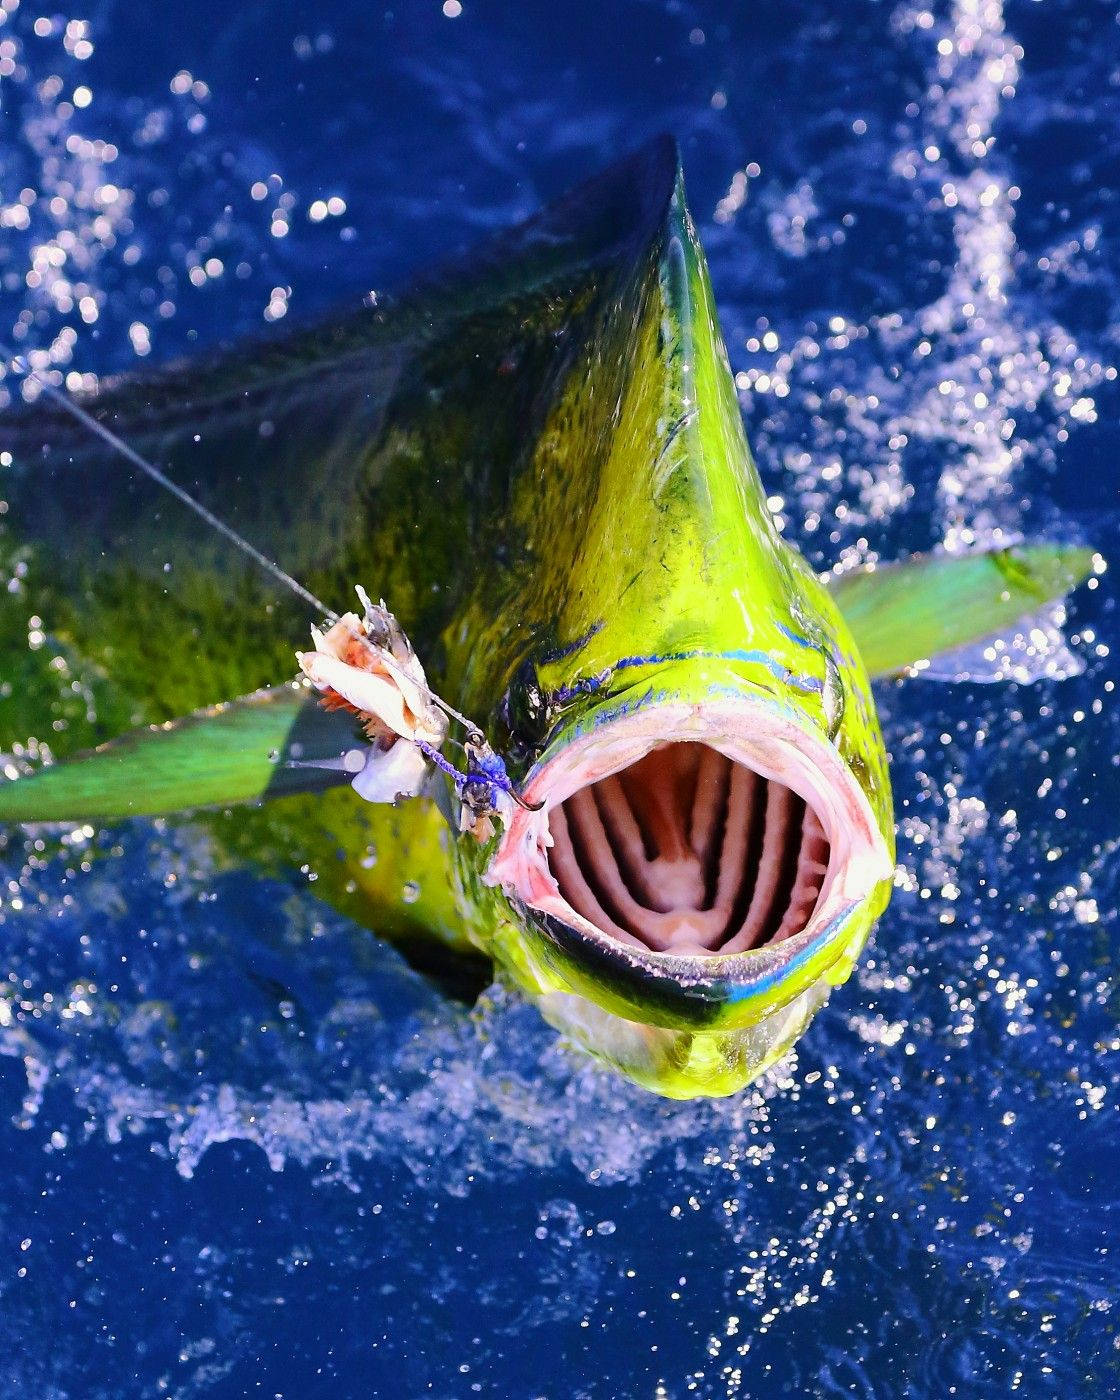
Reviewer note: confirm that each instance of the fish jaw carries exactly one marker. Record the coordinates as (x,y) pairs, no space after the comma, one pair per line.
(698,942)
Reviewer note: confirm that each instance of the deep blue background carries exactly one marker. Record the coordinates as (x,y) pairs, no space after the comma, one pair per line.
(246,1151)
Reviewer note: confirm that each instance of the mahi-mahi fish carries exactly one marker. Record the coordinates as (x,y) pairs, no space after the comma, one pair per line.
(666,815)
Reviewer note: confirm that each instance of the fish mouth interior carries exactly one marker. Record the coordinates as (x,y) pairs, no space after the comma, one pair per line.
(688,851)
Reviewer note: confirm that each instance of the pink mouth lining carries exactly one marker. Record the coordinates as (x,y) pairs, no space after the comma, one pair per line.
(686,850)
(693,831)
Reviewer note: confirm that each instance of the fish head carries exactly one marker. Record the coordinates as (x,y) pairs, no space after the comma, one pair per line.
(706,836)
(701,856)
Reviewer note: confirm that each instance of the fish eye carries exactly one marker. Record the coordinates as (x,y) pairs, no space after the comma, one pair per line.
(524,713)
(833,694)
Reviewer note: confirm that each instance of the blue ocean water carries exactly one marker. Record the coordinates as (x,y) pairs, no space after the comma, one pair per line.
(247,1151)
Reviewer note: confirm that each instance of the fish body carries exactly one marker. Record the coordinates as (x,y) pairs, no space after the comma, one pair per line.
(538,461)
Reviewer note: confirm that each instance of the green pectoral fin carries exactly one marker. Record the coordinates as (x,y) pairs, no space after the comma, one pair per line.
(261,745)
(916,609)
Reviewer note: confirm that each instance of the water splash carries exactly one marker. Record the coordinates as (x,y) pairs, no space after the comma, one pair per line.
(127,212)
(994,364)
(317,1043)
(935,406)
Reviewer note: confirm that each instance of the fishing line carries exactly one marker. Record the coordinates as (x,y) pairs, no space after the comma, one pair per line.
(480,766)
(131,455)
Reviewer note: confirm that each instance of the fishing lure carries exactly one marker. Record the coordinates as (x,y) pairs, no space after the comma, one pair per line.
(367,665)
(669,820)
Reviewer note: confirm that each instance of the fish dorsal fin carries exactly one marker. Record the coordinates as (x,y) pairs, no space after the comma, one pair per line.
(372,448)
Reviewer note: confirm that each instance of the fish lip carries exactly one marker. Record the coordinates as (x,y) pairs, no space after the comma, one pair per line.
(764,735)
(686,991)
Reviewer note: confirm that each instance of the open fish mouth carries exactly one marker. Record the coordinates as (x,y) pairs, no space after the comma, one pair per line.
(694,832)
(689,851)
